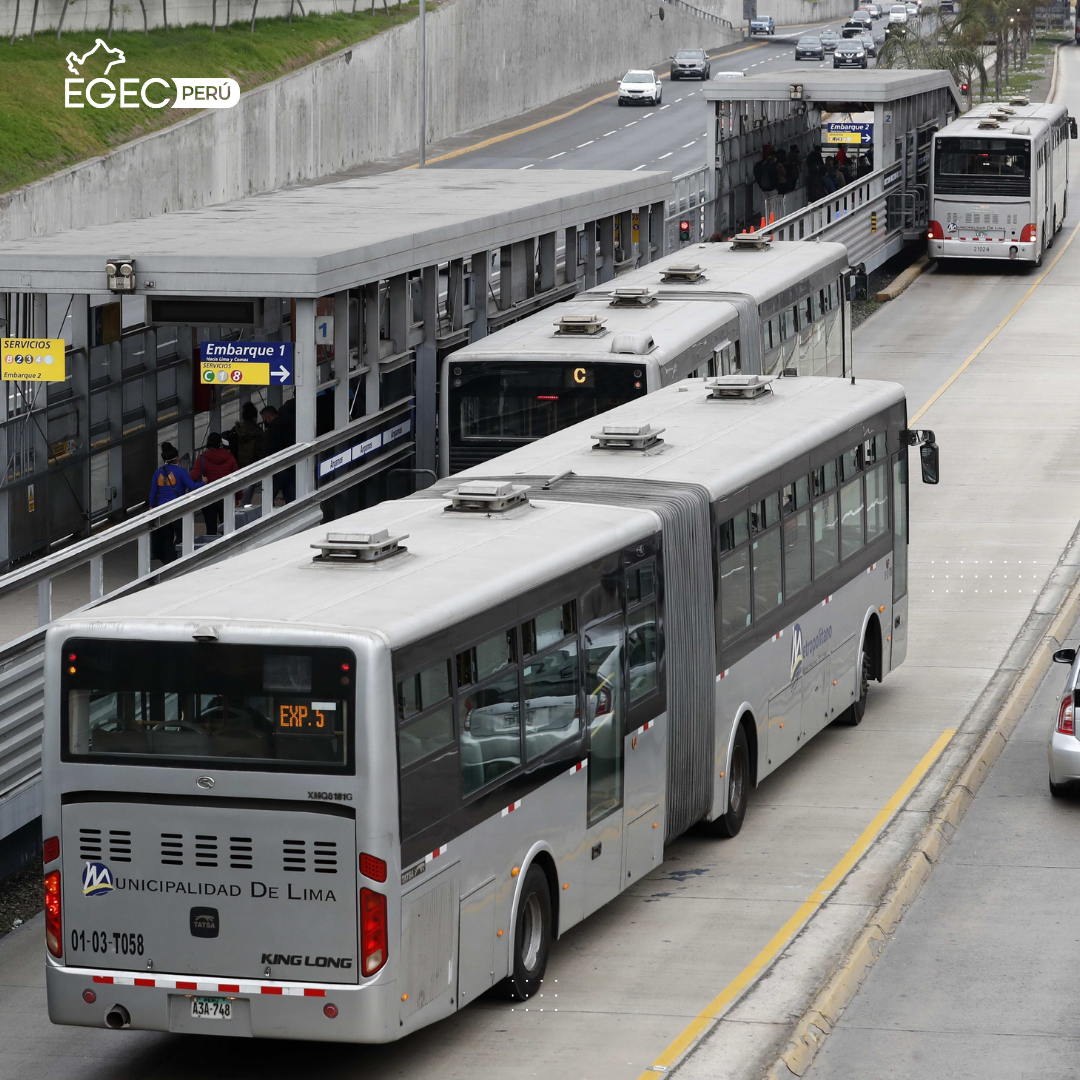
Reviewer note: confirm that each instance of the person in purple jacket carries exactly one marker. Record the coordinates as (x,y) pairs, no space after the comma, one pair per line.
(168,483)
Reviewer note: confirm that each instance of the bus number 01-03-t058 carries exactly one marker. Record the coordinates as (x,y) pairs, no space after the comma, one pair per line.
(99,941)
(301,718)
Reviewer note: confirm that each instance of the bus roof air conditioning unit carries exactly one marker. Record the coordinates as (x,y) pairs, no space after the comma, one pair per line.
(487,497)
(366,546)
(627,437)
(739,387)
(579,326)
(986,125)
(682,274)
(1019,101)
(633,296)
(633,342)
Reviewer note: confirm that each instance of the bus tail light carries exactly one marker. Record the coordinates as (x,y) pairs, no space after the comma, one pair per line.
(372,931)
(1028,234)
(1065,724)
(372,867)
(935,231)
(54,932)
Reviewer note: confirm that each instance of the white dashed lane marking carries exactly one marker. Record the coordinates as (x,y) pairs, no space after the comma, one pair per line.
(668,154)
(554,156)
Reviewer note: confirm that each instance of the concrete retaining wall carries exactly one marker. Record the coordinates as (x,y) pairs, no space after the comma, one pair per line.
(359,105)
(784,12)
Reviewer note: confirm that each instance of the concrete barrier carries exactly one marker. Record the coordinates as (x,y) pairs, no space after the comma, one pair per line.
(487,60)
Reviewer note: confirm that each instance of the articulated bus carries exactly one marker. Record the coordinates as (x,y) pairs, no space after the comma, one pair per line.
(705,310)
(999,182)
(338,787)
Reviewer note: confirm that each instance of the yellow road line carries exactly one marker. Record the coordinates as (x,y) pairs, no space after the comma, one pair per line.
(997,329)
(551,120)
(708,1016)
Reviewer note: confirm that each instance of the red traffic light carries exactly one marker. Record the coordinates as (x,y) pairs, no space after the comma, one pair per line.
(684,230)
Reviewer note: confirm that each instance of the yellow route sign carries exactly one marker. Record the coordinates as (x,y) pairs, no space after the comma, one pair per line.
(228,373)
(32,360)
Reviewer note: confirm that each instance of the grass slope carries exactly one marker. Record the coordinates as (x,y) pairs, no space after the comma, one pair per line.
(38,135)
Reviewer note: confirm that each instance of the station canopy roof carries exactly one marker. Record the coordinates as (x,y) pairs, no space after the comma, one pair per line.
(315,241)
(834,87)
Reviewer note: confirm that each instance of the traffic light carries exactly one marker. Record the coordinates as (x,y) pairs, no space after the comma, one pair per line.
(684,231)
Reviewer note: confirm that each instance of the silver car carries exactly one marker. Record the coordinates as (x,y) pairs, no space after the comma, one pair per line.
(1064,748)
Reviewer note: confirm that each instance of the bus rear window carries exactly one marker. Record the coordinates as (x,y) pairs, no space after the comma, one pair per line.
(524,401)
(186,704)
(982,157)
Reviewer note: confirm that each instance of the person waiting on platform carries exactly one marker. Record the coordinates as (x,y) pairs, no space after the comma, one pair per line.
(213,463)
(168,483)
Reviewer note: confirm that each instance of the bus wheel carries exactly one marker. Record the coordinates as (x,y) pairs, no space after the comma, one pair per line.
(729,824)
(532,937)
(858,709)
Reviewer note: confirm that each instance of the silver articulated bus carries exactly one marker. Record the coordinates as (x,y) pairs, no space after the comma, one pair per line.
(999,182)
(706,310)
(338,787)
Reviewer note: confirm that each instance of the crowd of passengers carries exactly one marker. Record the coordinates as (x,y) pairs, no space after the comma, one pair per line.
(779,172)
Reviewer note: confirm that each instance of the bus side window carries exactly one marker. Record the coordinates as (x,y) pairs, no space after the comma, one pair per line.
(900,524)
(734,576)
(643,630)
(552,681)
(765,556)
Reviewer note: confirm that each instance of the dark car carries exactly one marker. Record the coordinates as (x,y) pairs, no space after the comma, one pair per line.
(849,54)
(690,64)
(762,25)
(852,29)
(809,48)
(829,40)
(869,43)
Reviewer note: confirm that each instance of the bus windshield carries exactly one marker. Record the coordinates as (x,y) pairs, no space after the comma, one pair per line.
(524,401)
(982,157)
(184,703)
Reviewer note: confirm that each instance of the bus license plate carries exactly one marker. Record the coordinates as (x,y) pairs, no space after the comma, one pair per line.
(982,249)
(211,1008)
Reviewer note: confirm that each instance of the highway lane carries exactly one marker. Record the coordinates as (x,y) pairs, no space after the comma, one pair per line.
(673,136)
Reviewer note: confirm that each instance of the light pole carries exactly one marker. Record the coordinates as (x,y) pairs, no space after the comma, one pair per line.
(421,81)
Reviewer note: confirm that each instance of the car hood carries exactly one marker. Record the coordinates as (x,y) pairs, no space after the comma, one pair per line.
(644,87)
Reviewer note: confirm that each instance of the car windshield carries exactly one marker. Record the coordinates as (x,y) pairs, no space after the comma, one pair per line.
(689,54)
(830,34)
(809,41)
(638,77)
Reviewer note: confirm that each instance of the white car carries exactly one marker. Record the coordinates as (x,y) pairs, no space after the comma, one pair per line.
(641,86)
(898,15)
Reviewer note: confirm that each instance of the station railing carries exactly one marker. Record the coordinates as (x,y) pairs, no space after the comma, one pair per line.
(692,200)
(335,462)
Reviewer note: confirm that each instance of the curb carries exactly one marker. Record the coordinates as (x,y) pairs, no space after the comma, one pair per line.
(903,280)
(823,1013)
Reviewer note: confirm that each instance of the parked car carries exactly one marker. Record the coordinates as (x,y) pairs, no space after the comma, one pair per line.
(640,86)
(869,43)
(849,54)
(762,25)
(1064,746)
(809,48)
(829,39)
(898,15)
(690,64)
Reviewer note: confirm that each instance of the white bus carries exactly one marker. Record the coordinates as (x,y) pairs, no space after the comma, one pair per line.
(706,310)
(338,787)
(999,182)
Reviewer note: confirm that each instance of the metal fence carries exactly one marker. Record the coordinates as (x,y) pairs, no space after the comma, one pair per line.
(692,201)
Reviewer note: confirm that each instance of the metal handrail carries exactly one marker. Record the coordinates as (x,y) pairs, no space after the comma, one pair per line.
(139,528)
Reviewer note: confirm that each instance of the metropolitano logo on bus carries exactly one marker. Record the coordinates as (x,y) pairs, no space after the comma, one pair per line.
(103,91)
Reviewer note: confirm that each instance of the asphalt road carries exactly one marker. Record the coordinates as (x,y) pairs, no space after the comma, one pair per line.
(672,136)
(980,980)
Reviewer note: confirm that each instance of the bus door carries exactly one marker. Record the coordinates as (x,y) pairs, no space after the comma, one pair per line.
(605,703)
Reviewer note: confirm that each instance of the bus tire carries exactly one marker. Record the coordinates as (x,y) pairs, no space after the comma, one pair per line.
(532,938)
(866,670)
(728,825)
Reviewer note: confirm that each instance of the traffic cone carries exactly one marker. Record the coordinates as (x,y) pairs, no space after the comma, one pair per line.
(762,225)
(772,217)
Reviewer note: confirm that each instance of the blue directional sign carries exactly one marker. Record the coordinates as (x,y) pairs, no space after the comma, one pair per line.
(255,363)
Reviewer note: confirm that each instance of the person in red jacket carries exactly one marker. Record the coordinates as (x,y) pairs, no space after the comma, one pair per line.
(213,463)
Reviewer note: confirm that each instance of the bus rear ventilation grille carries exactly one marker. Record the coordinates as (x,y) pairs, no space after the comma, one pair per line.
(487,497)
(739,387)
(371,546)
(628,437)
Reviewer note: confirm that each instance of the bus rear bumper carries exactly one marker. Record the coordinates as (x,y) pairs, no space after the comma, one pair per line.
(262,1010)
(1009,250)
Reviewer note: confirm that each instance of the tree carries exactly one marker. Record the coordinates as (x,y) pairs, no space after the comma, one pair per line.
(213,16)
(112,7)
(15,24)
(956,45)
(254,8)
(165,14)
(145,22)
(33,20)
(60,22)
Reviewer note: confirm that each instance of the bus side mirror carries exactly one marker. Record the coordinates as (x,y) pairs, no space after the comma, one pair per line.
(928,453)
(1072,127)
(1064,656)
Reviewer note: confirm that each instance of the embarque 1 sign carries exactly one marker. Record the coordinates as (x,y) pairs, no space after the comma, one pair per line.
(250,363)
